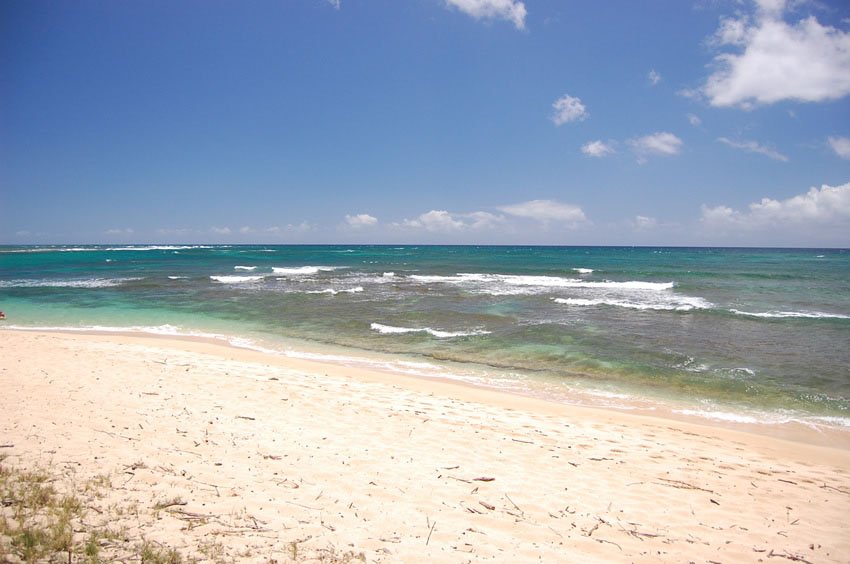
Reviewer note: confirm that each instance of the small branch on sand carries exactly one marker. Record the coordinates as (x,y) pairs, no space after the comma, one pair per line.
(170,503)
(792,557)
(683,485)
(487,505)
(246,417)
(522,441)
(840,490)
(483,479)
(429,533)
(514,504)
(7,446)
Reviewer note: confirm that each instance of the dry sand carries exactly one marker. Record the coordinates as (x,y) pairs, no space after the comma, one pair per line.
(265,458)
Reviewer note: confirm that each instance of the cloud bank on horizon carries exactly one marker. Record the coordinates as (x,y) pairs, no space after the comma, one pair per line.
(739,137)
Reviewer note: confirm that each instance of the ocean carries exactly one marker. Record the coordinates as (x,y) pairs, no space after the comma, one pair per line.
(757,336)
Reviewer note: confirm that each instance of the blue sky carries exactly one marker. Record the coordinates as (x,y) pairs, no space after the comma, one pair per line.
(704,122)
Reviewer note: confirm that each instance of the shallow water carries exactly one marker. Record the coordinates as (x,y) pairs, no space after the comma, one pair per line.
(747,333)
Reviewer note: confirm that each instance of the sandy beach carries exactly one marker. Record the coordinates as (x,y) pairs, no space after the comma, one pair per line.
(224,454)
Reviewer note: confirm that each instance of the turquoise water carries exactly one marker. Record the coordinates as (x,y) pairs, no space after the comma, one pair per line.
(732,333)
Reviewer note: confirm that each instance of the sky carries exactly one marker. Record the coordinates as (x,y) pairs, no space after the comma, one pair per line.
(557,122)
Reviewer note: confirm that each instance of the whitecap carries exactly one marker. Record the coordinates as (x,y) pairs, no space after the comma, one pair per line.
(791,314)
(666,303)
(583,270)
(333,292)
(249,268)
(84,283)
(302,270)
(389,330)
(235,279)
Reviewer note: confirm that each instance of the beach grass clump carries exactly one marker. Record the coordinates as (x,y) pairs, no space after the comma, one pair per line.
(36,521)
(41,522)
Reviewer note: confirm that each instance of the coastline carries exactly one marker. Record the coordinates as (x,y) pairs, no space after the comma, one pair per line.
(270,457)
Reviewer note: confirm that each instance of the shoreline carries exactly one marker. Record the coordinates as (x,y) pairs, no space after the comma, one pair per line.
(211,449)
(367,364)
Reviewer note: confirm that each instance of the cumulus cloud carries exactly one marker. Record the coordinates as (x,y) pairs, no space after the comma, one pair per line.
(126,231)
(694,120)
(442,221)
(221,230)
(768,60)
(841,146)
(360,220)
(335,3)
(662,143)
(567,109)
(598,149)
(510,10)
(546,211)
(654,77)
(644,223)
(753,147)
(825,206)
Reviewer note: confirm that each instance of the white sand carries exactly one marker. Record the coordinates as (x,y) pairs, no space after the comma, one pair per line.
(275,457)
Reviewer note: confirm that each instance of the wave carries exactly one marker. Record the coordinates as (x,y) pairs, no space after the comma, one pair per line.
(303,270)
(85,283)
(249,268)
(667,303)
(389,330)
(178,277)
(583,270)
(333,292)
(235,279)
(791,314)
(506,284)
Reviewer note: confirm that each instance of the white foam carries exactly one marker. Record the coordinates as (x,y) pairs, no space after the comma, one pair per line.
(723,416)
(389,329)
(235,279)
(248,268)
(510,284)
(791,314)
(388,274)
(177,277)
(667,303)
(302,270)
(86,283)
(333,292)
(583,270)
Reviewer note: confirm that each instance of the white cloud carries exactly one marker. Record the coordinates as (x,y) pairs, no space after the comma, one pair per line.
(825,206)
(510,10)
(360,220)
(221,230)
(841,146)
(441,221)
(771,60)
(662,143)
(754,147)
(126,231)
(546,211)
(567,109)
(335,3)
(654,77)
(598,149)
(644,223)
(694,120)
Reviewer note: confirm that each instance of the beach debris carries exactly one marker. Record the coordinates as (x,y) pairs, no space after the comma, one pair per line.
(483,479)
(430,531)
(487,505)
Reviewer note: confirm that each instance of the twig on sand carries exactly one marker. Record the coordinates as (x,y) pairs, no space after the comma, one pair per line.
(840,490)
(429,533)
(7,446)
(792,557)
(683,485)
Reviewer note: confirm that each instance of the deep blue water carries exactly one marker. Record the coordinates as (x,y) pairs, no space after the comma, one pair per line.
(760,333)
